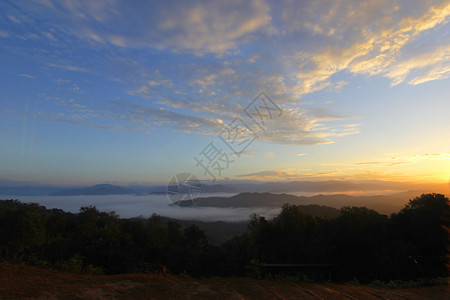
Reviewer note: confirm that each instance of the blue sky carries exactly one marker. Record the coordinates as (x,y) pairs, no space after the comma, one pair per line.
(131,91)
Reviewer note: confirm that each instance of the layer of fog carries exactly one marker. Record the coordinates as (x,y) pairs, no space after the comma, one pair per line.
(129,206)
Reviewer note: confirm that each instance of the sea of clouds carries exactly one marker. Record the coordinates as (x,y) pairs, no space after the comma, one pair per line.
(129,206)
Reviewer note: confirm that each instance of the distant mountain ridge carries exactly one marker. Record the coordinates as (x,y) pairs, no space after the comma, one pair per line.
(99,189)
(10,188)
(27,190)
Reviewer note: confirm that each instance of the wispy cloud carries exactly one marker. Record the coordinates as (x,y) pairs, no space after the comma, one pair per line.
(282,174)
(383,163)
(125,116)
(301,127)
(4,34)
(435,64)
(407,159)
(234,49)
(14,19)
(27,76)
(198,26)
(69,67)
(353,174)
(150,117)
(369,40)
(430,156)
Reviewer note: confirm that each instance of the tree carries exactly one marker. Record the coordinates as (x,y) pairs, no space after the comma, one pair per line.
(420,236)
(360,236)
(101,239)
(196,251)
(22,228)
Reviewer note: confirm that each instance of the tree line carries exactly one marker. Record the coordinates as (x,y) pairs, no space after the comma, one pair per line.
(362,243)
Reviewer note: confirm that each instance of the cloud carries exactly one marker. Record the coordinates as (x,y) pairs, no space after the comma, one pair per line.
(267,175)
(48,35)
(4,34)
(312,41)
(120,115)
(130,206)
(304,127)
(269,155)
(434,73)
(149,117)
(430,156)
(327,174)
(151,87)
(126,116)
(221,53)
(387,45)
(14,20)
(254,58)
(404,159)
(364,38)
(69,67)
(436,63)
(294,174)
(27,76)
(323,113)
(198,26)
(383,163)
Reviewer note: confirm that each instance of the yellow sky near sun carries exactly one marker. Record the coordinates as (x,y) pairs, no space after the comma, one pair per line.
(423,168)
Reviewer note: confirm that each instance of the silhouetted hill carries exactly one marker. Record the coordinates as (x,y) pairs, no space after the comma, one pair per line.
(385,204)
(99,189)
(264,200)
(245,200)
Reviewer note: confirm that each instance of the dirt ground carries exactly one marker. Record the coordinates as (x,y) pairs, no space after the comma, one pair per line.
(26,282)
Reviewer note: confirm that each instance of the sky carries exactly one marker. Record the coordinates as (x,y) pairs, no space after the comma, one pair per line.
(135,92)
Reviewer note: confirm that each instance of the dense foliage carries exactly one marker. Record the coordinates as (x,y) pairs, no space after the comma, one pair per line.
(362,243)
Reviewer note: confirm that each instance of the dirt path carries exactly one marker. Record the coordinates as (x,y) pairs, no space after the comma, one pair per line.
(33,283)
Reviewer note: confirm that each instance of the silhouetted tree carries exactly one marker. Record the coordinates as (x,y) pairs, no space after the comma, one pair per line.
(365,244)
(420,238)
(361,243)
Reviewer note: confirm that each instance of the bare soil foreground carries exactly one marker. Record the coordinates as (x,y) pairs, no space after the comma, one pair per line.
(30,282)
